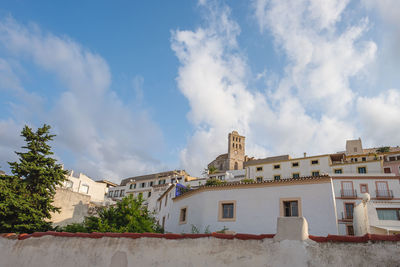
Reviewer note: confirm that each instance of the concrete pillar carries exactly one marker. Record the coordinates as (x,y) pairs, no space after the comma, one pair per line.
(291,228)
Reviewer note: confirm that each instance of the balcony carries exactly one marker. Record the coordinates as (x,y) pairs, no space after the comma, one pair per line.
(384,194)
(347,215)
(348,193)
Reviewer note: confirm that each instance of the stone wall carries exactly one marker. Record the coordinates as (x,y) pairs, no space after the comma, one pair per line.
(195,250)
(74,207)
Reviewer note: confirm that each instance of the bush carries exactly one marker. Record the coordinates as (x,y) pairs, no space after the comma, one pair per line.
(215,181)
(247,181)
(129,215)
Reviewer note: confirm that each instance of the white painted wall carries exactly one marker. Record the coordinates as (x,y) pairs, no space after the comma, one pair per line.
(373,167)
(257,209)
(96,191)
(357,180)
(121,252)
(286,170)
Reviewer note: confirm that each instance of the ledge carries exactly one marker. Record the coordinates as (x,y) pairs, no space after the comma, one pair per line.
(321,239)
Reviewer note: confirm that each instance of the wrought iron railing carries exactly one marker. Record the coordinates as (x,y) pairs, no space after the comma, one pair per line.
(384,194)
(348,193)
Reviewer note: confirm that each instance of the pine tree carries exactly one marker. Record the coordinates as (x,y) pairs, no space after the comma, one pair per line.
(26,197)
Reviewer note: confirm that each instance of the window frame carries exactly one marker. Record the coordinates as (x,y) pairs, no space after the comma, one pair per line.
(221,211)
(259,178)
(298,173)
(259,167)
(282,207)
(279,166)
(296,162)
(317,162)
(319,173)
(338,169)
(358,169)
(366,187)
(277,175)
(345,210)
(180,215)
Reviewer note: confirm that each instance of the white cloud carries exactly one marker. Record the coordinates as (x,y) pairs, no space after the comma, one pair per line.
(107,138)
(311,108)
(380,117)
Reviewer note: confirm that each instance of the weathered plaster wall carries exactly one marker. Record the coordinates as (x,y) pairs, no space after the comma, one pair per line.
(74,207)
(208,251)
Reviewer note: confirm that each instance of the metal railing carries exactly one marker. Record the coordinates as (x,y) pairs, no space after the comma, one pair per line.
(347,215)
(384,194)
(348,193)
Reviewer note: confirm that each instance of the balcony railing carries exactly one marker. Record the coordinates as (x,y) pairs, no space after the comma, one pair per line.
(347,216)
(348,193)
(385,194)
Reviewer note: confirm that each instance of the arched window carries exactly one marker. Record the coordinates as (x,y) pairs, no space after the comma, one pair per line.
(236,166)
(240,146)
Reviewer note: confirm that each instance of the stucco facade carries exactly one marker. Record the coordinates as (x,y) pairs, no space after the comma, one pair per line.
(383,189)
(256,207)
(80,183)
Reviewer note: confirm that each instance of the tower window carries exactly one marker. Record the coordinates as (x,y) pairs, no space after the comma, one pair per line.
(240,146)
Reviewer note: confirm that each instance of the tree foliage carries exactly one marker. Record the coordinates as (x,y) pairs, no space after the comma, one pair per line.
(214,181)
(383,149)
(129,215)
(26,196)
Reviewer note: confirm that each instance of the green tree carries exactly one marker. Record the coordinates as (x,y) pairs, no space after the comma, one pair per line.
(215,181)
(26,196)
(129,215)
(383,149)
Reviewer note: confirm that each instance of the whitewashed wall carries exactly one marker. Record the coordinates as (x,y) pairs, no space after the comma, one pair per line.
(257,209)
(286,170)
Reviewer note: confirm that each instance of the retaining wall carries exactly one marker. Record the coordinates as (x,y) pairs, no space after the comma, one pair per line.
(66,249)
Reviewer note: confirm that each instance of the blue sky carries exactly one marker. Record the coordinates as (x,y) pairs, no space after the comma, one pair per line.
(134,87)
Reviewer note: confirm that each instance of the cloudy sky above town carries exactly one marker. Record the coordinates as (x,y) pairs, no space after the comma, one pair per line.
(133,87)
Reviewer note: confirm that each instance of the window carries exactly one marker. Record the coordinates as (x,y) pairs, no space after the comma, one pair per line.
(338,171)
(356,159)
(388,214)
(151,183)
(348,189)
(68,184)
(363,188)
(259,169)
(350,229)
(122,193)
(362,169)
(259,179)
(291,208)
(149,194)
(161,181)
(364,159)
(382,189)
(296,175)
(387,170)
(277,166)
(116,192)
(183,215)
(142,185)
(173,180)
(84,189)
(130,186)
(295,164)
(227,210)
(277,177)
(392,158)
(314,162)
(315,173)
(110,194)
(134,186)
(348,209)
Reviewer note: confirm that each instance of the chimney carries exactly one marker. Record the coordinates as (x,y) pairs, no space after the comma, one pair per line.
(305,154)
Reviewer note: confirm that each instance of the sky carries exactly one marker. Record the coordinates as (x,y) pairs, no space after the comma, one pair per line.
(135,87)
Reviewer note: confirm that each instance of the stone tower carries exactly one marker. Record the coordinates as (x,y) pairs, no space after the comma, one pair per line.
(236,151)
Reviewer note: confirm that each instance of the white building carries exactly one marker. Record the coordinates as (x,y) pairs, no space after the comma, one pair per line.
(80,183)
(376,217)
(250,207)
(384,190)
(149,186)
